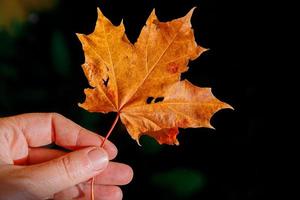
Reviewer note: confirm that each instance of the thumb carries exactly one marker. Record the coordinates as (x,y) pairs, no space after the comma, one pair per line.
(53,176)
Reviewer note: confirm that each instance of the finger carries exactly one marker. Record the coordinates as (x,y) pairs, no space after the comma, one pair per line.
(83,192)
(41,129)
(39,155)
(70,193)
(102,192)
(59,174)
(115,174)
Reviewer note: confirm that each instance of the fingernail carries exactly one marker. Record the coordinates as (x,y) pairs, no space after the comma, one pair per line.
(98,158)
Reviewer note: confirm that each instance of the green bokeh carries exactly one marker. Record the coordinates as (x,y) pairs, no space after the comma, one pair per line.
(89,120)
(181,183)
(60,54)
(150,145)
(7,45)
(8,72)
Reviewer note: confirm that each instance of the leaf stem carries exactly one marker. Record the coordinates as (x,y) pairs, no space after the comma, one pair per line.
(92,189)
(102,144)
(111,129)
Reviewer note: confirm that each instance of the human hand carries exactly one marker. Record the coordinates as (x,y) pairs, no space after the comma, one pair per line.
(30,171)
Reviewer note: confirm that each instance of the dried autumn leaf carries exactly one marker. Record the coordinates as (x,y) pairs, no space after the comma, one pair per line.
(141,82)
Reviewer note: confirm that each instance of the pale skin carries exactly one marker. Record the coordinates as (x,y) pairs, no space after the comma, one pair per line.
(29,170)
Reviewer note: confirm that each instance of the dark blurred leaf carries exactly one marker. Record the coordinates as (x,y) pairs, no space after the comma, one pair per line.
(60,54)
(89,120)
(9,72)
(16,11)
(150,145)
(7,45)
(17,29)
(180,182)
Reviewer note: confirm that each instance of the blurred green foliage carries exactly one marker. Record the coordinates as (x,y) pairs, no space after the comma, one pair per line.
(90,120)
(16,12)
(182,183)
(60,54)
(150,145)
(7,45)
(8,72)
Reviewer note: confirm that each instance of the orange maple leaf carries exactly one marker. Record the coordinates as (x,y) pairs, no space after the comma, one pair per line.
(141,81)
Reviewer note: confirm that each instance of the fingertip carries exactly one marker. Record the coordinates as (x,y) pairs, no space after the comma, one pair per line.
(108,192)
(129,176)
(115,174)
(98,158)
(111,149)
(116,192)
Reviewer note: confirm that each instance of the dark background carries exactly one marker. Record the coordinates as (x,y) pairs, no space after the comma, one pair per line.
(40,71)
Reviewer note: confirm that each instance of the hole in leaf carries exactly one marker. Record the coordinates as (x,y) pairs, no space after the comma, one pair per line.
(105,82)
(149,100)
(158,99)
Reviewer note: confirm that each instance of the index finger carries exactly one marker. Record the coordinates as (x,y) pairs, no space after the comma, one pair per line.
(41,129)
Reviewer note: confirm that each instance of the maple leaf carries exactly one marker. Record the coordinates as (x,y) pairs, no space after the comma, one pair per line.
(141,81)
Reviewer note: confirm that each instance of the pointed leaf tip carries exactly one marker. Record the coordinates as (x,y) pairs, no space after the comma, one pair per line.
(99,12)
(152,17)
(153,12)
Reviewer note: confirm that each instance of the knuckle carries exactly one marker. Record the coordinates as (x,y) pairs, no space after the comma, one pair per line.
(55,115)
(68,169)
